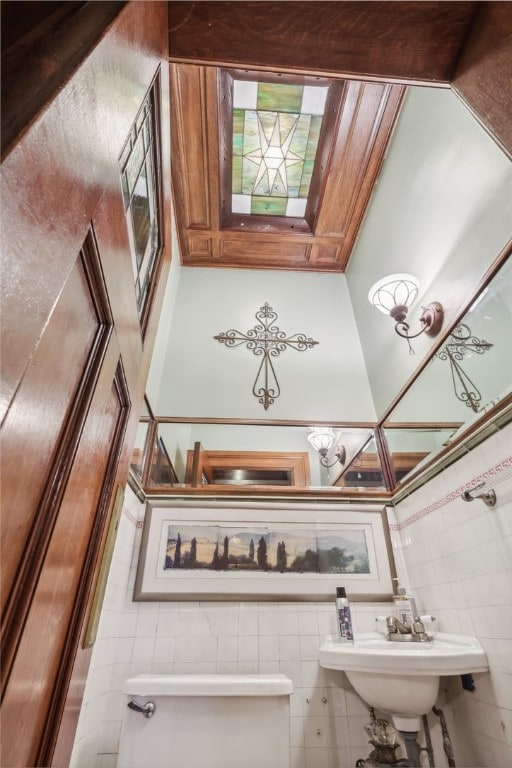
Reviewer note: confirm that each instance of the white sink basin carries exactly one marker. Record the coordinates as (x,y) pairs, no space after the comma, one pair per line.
(371,651)
(402,679)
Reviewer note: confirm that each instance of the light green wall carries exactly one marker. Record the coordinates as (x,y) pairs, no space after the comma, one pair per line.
(201,377)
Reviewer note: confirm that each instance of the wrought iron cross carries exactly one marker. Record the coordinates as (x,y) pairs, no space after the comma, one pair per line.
(461,341)
(267,341)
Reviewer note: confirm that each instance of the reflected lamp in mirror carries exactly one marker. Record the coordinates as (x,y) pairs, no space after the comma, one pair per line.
(365,470)
(394,295)
(322,439)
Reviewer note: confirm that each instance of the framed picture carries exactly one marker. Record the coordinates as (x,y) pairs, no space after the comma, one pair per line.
(224,551)
(101,583)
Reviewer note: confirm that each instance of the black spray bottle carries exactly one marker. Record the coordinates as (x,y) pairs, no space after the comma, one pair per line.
(343,616)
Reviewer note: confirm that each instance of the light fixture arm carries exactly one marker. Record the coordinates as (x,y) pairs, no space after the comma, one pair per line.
(431,321)
(340,456)
(402,328)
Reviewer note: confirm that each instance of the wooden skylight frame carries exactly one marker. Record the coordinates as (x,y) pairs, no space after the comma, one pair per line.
(350,153)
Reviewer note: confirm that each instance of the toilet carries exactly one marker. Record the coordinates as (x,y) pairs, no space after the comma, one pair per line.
(206,721)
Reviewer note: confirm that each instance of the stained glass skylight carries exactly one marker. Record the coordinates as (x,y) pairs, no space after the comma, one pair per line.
(276,128)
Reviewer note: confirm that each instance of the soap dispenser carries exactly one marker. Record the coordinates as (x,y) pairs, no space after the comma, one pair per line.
(405,606)
(344,616)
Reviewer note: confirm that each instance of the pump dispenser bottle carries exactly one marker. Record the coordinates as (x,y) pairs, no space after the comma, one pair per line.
(343,616)
(405,606)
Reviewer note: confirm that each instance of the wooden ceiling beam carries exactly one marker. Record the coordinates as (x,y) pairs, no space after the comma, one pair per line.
(483,78)
(467,45)
(397,41)
(42,45)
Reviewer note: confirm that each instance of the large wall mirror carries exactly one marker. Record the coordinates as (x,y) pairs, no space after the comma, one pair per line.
(467,382)
(471,371)
(462,395)
(358,416)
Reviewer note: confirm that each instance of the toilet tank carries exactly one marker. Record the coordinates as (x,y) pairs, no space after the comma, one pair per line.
(207,721)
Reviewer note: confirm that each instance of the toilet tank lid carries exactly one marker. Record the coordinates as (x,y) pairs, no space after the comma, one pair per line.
(208,685)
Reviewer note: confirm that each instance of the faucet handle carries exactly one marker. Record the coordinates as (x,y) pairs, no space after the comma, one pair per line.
(419,630)
(391,624)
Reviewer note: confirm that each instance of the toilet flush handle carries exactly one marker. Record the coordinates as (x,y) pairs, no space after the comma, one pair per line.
(148,709)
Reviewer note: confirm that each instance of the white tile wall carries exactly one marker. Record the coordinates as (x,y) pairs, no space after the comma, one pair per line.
(327,718)
(96,740)
(456,559)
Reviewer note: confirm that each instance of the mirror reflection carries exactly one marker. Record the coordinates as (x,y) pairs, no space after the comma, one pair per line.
(471,372)
(469,376)
(411,448)
(441,213)
(365,471)
(257,455)
(139,448)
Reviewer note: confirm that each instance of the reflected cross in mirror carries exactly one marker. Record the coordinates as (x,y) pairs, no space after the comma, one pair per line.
(267,341)
(460,343)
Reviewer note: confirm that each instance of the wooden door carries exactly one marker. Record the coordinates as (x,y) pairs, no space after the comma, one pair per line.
(75,351)
(61,440)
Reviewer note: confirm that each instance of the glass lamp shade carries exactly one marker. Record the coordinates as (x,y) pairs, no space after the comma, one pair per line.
(321,438)
(394,291)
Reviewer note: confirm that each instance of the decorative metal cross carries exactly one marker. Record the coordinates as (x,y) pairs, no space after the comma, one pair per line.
(268,341)
(460,342)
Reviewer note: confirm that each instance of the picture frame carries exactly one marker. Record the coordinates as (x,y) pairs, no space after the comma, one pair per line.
(264,552)
(93,620)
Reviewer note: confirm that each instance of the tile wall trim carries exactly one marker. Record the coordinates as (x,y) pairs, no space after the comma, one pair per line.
(493,473)
(131,517)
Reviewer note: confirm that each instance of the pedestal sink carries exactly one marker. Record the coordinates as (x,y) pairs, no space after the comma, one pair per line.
(402,679)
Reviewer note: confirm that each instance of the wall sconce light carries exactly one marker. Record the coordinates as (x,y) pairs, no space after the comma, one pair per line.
(322,438)
(394,294)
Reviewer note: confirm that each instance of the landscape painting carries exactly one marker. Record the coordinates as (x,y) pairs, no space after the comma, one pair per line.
(290,550)
(264,551)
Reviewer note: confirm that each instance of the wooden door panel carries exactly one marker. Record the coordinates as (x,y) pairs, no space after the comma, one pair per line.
(38,446)
(45,651)
(60,468)
(30,439)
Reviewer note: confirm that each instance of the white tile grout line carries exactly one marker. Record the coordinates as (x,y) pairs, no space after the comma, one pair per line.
(493,473)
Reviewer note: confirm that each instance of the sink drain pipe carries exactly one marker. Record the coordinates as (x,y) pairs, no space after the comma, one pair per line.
(447,744)
(428,742)
(412,748)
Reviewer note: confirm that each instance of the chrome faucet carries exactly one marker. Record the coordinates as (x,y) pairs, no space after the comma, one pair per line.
(401,631)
